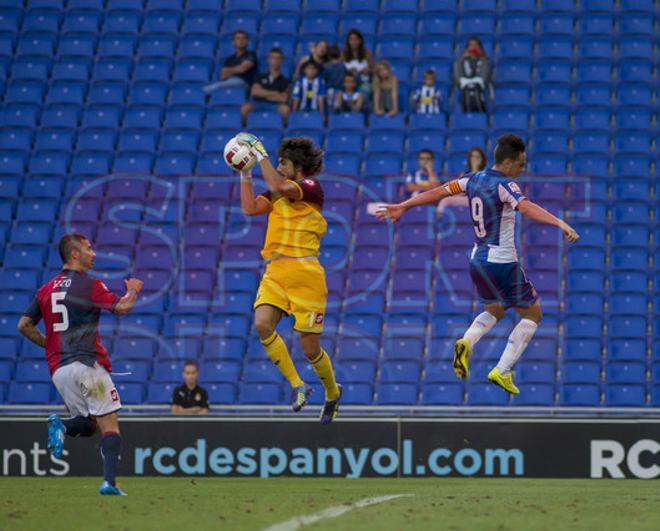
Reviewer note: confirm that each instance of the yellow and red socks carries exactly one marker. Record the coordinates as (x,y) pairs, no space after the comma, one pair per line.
(279,355)
(110,452)
(323,368)
(79,427)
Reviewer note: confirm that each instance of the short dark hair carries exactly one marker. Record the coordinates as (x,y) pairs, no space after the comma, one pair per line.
(308,63)
(68,243)
(508,146)
(427,152)
(334,52)
(303,153)
(239,32)
(277,50)
(188,363)
(350,74)
(429,72)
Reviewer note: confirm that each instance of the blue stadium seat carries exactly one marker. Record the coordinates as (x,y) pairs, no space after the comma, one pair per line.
(29,393)
(442,394)
(579,395)
(159,393)
(625,395)
(259,393)
(535,395)
(396,393)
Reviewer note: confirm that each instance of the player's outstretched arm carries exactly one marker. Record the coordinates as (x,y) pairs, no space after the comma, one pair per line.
(431,197)
(537,213)
(28,328)
(126,303)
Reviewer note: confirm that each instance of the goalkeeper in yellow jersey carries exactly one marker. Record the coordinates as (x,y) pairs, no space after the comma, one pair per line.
(294,280)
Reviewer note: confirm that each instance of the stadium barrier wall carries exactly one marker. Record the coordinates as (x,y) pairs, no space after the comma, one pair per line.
(353,447)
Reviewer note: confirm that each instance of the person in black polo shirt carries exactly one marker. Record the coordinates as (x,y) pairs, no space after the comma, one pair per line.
(270,91)
(190,398)
(239,69)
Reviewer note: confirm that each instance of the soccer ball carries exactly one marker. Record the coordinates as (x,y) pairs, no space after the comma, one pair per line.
(238,156)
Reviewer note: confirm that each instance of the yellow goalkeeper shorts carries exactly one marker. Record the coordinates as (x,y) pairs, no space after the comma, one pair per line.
(296,286)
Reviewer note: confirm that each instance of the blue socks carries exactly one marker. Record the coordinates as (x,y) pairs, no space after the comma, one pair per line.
(110,452)
(79,427)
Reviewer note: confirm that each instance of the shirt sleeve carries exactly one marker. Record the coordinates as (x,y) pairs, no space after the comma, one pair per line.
(103,298)
(176,398)
(33,311)
(310,191)
(297,89)
(510,193)
(267,195)
(457,186)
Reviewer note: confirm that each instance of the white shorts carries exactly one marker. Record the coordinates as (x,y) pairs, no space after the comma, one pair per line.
(86,390)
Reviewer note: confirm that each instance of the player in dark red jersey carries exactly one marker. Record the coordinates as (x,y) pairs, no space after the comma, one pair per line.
(70,305)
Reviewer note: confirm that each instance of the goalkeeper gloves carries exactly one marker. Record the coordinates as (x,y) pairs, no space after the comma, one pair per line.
(255,145)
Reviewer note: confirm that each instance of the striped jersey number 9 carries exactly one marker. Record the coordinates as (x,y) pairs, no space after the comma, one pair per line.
(55,299)
(477,207)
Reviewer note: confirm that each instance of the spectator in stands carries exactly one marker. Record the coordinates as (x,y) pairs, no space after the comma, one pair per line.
(333,74)
(476,161)
(309,90)
(472,73)
(425,177)
(270,91)
(386,90)
(350,99)
(189,398)
(428,98)
(318,54)
(358,59)
(239,69)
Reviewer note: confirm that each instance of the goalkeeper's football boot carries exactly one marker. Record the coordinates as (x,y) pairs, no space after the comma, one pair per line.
(462,351)
(55,436)
(299,396)
(505,381)
(110,490)
(330,409)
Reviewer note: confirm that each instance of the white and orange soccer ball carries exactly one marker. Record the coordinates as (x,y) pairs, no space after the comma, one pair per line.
(238,156)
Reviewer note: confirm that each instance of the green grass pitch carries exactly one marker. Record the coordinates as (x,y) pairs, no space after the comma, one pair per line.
(253,504)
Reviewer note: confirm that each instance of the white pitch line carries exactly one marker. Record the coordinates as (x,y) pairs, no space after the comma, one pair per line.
(331,512)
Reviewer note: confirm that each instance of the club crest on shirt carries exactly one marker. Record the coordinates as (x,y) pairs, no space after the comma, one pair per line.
(515,187)
(198,397)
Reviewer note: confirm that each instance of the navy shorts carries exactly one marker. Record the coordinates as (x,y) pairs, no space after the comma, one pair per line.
(505,284)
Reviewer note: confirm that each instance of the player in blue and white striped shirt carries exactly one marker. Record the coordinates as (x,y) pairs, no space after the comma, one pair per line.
(494,265)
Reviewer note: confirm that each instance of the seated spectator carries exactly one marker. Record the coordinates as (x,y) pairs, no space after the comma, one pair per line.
(318,54)
(349,99)
(476,161)
(386,90)
(270,91)
(472,75)
(309,90)
(428,98)
(333,73)
(189,398)
(425,177)
(358,59)
(239,69)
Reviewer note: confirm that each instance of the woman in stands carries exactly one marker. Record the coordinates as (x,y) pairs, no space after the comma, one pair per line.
(386,90)
(358,59)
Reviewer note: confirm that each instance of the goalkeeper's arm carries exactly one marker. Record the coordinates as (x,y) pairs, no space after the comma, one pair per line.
(251,205)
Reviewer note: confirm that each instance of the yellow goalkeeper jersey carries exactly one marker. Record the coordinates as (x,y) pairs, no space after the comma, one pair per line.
(295,226)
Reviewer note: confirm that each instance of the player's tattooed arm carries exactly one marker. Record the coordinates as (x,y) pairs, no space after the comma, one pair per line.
(537,213)
(126,303)
(28,328)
